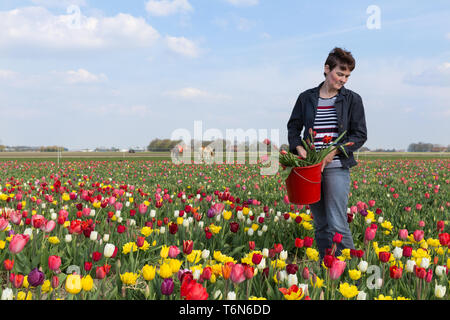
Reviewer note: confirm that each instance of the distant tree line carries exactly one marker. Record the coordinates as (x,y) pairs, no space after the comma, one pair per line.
(427,147)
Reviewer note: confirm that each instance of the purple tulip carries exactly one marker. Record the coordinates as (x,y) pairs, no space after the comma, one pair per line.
(364,212)
(36,277)
(167,286)
(211,213)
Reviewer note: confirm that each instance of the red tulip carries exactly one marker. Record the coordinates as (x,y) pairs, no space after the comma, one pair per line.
(192,290)
(54,262)
(407,251)
(256,258)
(17,280)
(96,256)
(251,245)
(337,238)
(384,256)
(395,272)
(188,246)
(444,239)
(370,233)
(299,243)
(8,264)
(308,242)
(100,272)
(420,272)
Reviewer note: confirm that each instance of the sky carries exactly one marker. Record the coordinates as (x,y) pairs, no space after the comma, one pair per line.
(90,73)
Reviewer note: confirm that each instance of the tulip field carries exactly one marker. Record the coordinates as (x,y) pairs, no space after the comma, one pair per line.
(140,229)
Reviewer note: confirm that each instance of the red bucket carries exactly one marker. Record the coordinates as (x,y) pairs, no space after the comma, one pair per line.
(303,184)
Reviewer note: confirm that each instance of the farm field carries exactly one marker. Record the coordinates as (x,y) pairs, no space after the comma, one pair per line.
(148,229)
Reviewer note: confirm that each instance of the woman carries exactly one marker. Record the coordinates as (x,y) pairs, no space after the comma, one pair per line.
(329,110)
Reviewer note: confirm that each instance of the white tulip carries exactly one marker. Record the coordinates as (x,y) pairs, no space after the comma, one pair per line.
(278,214)
(200,224)
(398,253)
(93,236)
(282,275)
(368,221)
(119,220)
(250,231)
(7,294)
(68,238)
(132,222)
(127,204)
(205,254)
(262,264)
(439,291)
(283,255)
(218,217)
(425,263)
(162,230)
(231,295)
(363,265)
(106,237)
(186,223)
(198,196)
(117,214)
(440,271)
(265,252)
(304,287)
(260,233)
(196,274)
(54,216)
(92,214)
(361,296)
(29,232)
(275,219)
(108,251)
(176,213)
(152,213)
(410,265)
(43,205)
(380,220)
(292,279)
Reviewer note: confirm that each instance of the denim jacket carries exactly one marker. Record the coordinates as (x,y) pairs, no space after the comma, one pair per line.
(350,116)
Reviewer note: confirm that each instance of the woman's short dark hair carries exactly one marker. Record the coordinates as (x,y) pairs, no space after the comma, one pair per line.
(340,57)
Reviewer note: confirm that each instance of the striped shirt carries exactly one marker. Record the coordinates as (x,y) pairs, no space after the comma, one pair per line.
(326,124)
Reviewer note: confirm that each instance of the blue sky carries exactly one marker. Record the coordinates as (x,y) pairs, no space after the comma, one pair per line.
(121,73)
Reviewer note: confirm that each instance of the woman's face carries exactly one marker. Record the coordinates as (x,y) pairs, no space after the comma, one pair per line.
(337,77)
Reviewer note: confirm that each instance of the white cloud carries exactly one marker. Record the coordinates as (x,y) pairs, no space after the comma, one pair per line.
(7,74)
(83,76)
(183,46)
(59,3)
(190,93)
(243,3)
(244,24)
(167,7)
(37,27)
(432,76)
(121,110)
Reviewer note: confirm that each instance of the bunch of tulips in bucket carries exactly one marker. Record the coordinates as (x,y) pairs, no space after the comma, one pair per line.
(313,155)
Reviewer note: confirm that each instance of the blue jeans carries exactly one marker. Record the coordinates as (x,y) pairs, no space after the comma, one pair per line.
(330,213)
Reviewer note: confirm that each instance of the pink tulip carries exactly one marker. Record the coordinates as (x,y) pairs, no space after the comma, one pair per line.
(421,223)
(49,226)
(370,233)
(336,269)
(237,273)
(19,196)
(118,206)
(371,203)
(86,211)
(3,223)
(403,234)
(173,251)
(38,220)
(286,199)
(15,217)
(111,200)
(418,206)
(142,208)
(18,242)
(418,235)
(54,262)
(353,209)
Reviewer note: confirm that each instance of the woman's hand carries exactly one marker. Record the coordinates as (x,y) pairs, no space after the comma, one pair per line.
(301,152)
(328,158)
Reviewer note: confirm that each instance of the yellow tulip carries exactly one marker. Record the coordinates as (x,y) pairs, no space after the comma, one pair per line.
(164,251)
(348,291)
(148,272)
(87,283)
(165,271)
(73,283)
(129,278)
